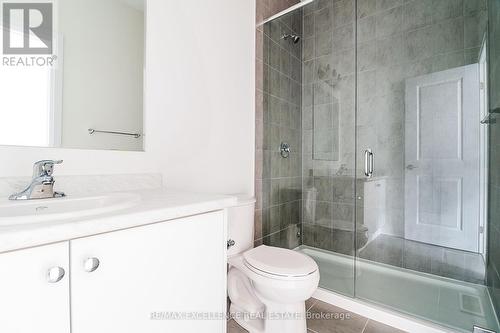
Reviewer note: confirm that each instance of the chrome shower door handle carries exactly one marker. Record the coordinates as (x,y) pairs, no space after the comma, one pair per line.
(369,163)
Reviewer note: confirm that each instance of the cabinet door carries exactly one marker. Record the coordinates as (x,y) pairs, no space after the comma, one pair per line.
(146,273)
(29,302)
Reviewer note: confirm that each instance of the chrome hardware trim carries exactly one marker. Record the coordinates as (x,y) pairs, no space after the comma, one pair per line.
(293,37)
(42,183)
(285,150)
(411,167)
(489,119)
(230,243)
(369,164)
(290,9)
(91,264)
(55,274)
(477,329)
(93,131)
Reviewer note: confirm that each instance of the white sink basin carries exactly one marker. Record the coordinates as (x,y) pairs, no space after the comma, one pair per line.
(50,210)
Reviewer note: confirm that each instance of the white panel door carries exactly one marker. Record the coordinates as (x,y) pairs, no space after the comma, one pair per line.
(29,302)
(442,158)
(147,273)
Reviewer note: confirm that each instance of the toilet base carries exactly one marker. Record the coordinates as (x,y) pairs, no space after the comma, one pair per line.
(253,323)
(278,318)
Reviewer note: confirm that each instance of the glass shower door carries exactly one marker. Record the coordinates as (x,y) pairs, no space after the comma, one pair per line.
(418,161)
(328,97)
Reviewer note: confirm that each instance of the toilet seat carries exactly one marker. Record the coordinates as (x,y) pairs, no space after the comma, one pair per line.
(279,263)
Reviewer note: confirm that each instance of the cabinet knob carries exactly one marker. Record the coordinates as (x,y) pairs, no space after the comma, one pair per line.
(91,264)
(55,274)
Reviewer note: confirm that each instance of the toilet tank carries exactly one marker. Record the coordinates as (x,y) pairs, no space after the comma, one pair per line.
(240,224)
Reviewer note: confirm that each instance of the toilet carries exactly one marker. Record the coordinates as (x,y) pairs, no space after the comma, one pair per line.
(267,286)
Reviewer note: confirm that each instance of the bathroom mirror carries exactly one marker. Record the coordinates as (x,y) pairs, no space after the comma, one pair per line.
(72,74)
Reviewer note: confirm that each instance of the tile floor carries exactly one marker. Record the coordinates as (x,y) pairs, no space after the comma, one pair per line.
(350,322)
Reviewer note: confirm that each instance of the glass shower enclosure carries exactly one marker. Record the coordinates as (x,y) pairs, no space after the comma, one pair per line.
(376,154)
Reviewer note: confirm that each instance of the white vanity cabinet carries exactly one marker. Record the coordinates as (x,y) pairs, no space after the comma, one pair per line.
(31,299)
(126,281)
(176,267)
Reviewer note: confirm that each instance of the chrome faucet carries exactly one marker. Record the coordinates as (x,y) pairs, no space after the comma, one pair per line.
(42,184)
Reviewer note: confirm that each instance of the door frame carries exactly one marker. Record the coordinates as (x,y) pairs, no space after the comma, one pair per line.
(483,149)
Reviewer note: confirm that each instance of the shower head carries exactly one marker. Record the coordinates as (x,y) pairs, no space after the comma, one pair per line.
(293,37)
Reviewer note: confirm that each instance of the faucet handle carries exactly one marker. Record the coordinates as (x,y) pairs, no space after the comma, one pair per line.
(44,167)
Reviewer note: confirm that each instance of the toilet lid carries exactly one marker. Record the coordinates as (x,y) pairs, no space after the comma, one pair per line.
(279,261)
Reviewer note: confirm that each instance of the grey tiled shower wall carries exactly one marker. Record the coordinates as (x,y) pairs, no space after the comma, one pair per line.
(282,177)
(402,40)
(278,119)
(396,40)
(328,107)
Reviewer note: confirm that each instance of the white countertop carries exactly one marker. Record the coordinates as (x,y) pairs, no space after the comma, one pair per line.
(153,206)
